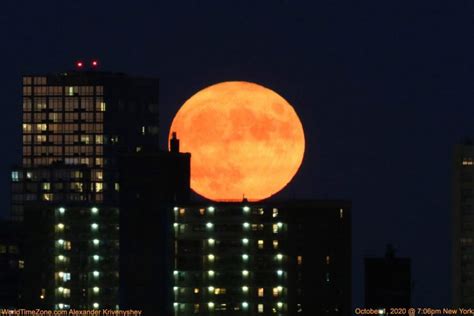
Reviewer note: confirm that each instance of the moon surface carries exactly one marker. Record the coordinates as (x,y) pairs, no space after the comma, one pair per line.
(245,140)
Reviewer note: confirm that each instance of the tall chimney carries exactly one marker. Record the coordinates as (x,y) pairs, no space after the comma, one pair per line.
(174,143)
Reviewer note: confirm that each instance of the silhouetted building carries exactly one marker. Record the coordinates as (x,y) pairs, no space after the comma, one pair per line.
(11,264)
(463,225)
(90,169)
(387,281)
(268,258)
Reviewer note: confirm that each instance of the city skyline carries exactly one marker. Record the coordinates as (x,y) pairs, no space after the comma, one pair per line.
(373,84)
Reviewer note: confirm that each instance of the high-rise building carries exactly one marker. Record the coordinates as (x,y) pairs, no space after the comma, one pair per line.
(269,258)
(11,264)
(463,225)
(87,135)
(387,281)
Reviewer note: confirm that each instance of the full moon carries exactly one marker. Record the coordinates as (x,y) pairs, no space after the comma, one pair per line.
(245,140)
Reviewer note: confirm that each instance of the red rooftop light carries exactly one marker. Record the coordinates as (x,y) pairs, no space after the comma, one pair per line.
(95,63)
(79,64)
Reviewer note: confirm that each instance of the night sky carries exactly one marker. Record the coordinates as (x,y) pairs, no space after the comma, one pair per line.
(384,90)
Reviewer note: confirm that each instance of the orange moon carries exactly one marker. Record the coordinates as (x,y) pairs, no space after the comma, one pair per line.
(245,140)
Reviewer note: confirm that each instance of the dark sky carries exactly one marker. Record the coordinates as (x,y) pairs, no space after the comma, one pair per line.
(384,90)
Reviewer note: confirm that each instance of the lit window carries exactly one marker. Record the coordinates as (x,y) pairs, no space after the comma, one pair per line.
(245,257)
(260,308)
(94,226)
(60,227)
(15,177)
(196,290)
(246,209)
(210,209)
(260,244)
(96,273)
(209,225)
(246,225)
(211,273)
(182,211)
(96,241)
(95,210)
(211,241)
(245,273)
(95,305)
(62,210)
(210,305)
(299,260)
(260,292)
(219,291)
(341,213)
(275,212)
(245,288)
(280,272)
(245,241)
(210,257)
(202,211)
(21,264)
(275,292)
(96,289)
(275,228)
(275,244)
(96,257)
(245,305)
(279,256)
(211,289)
(196,308)
(328,259)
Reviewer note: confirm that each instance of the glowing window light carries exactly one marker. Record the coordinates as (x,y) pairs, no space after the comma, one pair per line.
(96,257)
(279,256)
(94,226)
(175,208)
(61,274)
(246,225)
(245,241)
(175,305)
(209,225)
(61,258)
(96,289)
(280,224)
(175,272)
(245,273)
(211,257)
(175,288)
(280,304)
(245,288)
(62,210)
(211,209)
(61,305)
(210,273)
(210,305)
(96,273)
(280,288)
(60,226)
(175,225)
(61,241)
(246,209)
(280,272)
(210,288)
(96,241)
(245,257)
(95,305)
(245,304)
(211,241)
(94,210)
(60,289)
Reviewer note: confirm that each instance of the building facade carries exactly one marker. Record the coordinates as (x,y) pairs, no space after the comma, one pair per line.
(11,264)
(388,281)
(270,258)
(87,134)
(463,225)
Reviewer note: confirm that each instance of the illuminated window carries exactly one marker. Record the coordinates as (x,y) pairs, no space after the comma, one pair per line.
(275,212)
(196,290)
(182,211)
(275,228)
(260,308)
(341,213)
(260,292)
(260,244)
(328,259)
(275,244)
(299,260)
(202,211)
(196,308)
(21,264)
(219,291)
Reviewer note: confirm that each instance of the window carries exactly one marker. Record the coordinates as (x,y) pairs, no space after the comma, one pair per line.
(328,259)
(260,292)
(260,308)
(15,177)
(275,244)
(341,213)
(260,244)
(275,212)
(299,260)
